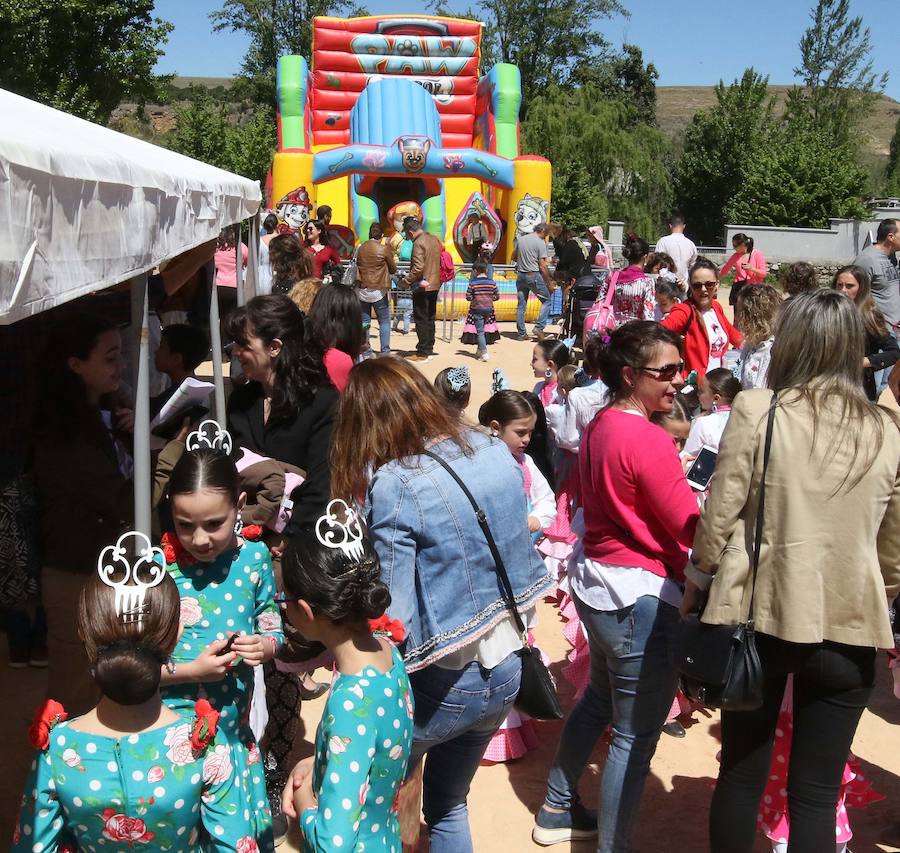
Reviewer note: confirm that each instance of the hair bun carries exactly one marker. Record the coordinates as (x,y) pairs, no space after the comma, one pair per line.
(128,673)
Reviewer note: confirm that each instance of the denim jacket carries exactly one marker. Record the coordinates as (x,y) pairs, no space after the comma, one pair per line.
(434,556)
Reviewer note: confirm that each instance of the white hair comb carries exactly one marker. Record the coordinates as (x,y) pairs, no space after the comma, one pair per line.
(131,589)
(210,434)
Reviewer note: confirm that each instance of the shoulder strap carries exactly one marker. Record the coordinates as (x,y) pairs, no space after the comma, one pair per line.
(760,510)
(611,288)
(495,553)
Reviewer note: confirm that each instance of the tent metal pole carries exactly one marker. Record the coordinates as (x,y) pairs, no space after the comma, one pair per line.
(139,311)
(239,267)
(253,260)
(215,340)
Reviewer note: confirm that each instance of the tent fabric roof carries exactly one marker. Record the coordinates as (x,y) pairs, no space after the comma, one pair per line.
(83,207)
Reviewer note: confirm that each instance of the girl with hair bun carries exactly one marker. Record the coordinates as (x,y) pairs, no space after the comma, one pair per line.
(227,587)
(547,358)
(344,795)
(635,297)
(131,771)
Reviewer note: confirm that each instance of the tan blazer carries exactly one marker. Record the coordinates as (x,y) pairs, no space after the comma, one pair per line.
(425,262)
(374,265)
(830,555)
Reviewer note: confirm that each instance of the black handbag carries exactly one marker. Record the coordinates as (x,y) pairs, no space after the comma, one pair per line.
(719,664)
(537,692)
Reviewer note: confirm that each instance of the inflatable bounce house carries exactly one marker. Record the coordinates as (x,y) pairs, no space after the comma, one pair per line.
(393,119)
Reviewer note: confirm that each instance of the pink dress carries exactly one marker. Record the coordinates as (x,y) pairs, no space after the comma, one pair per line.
(856,790)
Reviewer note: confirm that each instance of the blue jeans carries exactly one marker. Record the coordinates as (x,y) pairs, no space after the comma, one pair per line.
(531,282)
(403,310)
(479,316)
(633,682)
(457,713)
(383,314)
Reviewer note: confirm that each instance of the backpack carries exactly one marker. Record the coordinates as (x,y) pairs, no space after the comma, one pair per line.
(600,318)
(448,268)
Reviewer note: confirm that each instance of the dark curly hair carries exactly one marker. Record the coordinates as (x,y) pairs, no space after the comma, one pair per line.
(343,589)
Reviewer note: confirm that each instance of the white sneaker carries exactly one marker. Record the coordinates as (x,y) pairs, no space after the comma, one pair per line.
(484,356)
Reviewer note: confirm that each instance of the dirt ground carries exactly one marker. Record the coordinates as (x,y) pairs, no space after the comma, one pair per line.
(504,797)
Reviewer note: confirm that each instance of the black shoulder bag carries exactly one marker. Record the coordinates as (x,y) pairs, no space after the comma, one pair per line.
(719,664)
(537,692)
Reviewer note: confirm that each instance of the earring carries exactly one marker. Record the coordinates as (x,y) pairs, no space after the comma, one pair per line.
(494,433)
(715,407)
(548,373)
(238,525)
(170,666)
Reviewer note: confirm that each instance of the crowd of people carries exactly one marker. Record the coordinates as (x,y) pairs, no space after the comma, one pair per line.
(354,520)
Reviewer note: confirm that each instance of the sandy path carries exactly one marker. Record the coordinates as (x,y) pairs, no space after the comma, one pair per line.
(504,797)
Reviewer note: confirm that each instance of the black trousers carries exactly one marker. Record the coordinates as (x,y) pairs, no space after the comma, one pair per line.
(832,685)
(424,312)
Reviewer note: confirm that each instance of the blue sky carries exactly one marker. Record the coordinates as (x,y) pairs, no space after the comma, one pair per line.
(691,42)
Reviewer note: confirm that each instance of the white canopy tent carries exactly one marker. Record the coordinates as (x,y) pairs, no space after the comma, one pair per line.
(83,208)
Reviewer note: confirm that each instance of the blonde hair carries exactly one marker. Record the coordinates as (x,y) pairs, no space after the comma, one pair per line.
(304,293)
(757,309)
(818,353)
(565,376)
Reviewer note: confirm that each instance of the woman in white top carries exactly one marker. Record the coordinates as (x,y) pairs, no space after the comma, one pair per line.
(717,390)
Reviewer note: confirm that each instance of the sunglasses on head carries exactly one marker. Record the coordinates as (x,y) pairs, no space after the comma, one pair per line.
(666,373)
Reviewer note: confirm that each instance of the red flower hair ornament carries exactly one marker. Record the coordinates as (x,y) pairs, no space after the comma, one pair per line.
(205,724)
(47,716)
(175,552)
(385,625)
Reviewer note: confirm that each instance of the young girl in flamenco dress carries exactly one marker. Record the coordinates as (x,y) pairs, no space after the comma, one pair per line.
(346,796)
(131,773)
(227,587)
(510,417)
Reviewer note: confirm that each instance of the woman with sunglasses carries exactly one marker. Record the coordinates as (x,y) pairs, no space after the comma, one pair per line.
(322,253)
(639,518)
(707,332)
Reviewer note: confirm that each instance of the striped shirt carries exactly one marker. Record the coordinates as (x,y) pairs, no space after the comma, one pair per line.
(482,292)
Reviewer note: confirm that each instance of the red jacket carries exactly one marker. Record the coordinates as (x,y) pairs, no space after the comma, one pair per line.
(685,319)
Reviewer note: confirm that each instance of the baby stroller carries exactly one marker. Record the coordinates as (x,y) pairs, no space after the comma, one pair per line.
(582,295)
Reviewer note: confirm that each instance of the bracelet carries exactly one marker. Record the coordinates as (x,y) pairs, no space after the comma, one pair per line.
(274,643)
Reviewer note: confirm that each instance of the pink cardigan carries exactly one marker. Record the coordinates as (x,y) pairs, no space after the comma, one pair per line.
(756,260)
(638,508)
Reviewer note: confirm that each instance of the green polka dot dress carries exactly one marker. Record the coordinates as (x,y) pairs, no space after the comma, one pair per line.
(149,792)
(362,748)
(233,593)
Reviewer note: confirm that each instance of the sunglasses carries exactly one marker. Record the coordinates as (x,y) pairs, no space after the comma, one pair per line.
(709,285)
(666,373)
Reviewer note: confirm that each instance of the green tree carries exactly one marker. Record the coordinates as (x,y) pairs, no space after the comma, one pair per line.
(81,56)
(800,178)
(249,146)
(840,85)
(202,131)
(623,77)
(552,41)
(718,146)
(604,166)
(275,28)
(892,173)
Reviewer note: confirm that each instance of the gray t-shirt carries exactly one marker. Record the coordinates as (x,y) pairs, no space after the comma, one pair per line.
(885,281)
(530,248)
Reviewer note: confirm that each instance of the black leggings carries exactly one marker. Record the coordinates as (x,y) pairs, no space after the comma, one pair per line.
(832,685)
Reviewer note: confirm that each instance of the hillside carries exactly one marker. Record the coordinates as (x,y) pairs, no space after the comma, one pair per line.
(676,106)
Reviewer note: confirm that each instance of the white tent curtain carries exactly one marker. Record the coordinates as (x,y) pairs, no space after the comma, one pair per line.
(83,207)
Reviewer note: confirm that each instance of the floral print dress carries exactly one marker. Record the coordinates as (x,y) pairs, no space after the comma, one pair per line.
(362,749)
(233,593)
(149,792)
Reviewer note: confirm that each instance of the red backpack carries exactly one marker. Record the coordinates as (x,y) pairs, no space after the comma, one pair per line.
(448,269)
